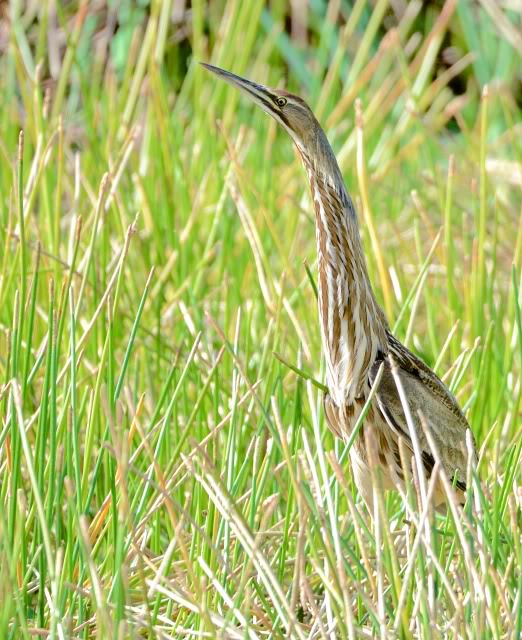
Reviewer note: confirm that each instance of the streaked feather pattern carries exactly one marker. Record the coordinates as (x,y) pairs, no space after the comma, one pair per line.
(356,340)
(355,334)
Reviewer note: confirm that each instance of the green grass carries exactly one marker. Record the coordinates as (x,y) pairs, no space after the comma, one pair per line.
(162,473)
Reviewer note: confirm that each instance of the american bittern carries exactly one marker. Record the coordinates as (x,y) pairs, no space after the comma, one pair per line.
(355,333)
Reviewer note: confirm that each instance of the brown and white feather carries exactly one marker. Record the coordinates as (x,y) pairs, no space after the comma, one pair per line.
(355,334)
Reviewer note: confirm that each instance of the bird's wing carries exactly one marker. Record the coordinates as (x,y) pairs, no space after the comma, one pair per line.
(427,397)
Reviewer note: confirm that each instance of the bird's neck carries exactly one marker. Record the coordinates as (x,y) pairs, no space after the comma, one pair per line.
(353,326)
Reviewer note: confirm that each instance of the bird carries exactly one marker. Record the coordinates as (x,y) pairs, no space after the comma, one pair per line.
(358,345)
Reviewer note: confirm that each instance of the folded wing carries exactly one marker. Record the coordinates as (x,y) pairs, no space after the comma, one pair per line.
(430,401)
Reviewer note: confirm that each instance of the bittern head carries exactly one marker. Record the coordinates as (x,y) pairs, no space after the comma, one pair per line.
(290,111)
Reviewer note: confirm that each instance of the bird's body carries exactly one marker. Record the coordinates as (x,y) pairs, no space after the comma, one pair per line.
(355,334)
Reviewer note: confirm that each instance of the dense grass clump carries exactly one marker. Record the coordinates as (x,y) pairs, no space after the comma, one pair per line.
(162,473)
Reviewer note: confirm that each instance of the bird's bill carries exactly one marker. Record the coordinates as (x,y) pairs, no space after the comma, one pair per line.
(259,94)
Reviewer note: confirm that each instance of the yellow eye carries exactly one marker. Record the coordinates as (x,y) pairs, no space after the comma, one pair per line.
(281,102)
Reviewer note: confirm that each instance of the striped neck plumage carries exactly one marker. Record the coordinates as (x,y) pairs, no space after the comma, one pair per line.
(353,326)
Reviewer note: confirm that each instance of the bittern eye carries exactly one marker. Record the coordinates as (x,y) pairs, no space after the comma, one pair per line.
(281,102)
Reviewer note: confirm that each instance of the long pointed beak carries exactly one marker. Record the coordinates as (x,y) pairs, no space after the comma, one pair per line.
(262,96)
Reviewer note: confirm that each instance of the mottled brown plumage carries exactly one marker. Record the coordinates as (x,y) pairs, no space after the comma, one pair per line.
(355,333)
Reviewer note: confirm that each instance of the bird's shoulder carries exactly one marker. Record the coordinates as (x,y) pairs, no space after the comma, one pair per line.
(413,365)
